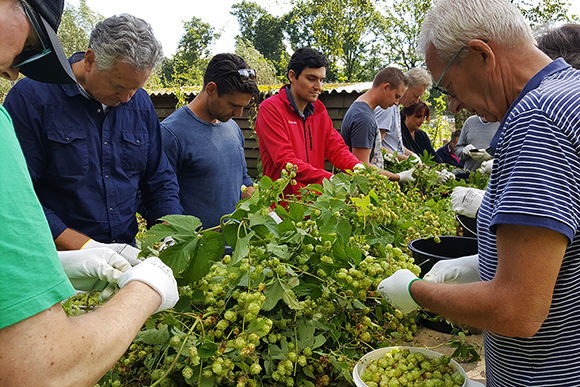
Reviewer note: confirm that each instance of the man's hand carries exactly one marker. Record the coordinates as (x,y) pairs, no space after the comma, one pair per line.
(128,252)
(406,177)
(455,271)
(466,151)
(486,167)
(93,269)
(397,290)
(445,176)
(159,276)
(466,201)
(481,155)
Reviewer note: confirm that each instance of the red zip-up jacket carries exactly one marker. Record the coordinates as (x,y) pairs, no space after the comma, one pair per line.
(286,137)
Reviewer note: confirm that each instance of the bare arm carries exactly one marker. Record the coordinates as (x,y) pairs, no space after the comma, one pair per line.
(363,154)
(517,301)
(70,239)
(51,349)
(249,191)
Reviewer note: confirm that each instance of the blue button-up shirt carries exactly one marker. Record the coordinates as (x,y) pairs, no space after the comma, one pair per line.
(88,165)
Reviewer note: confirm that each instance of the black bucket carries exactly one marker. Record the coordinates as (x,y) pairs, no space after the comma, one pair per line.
(468,226)
(427,252)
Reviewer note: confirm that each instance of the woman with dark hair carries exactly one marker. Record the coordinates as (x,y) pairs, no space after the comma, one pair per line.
(562,42)
(415,139)
(447,151)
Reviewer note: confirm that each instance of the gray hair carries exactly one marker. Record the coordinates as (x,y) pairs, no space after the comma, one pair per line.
(127,39)
(450,24)
(418,77)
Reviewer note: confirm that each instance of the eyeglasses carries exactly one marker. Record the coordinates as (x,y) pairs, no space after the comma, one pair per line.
(436,86)
(247,74)
(36,49)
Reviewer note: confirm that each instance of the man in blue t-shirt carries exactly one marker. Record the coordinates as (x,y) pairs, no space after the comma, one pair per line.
(205,146)
(486,61)
(360,130)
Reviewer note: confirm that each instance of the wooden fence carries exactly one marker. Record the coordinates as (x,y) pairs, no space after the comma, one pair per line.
(336,102)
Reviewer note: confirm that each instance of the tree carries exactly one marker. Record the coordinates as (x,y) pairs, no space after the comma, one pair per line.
(76,26)
(193,53)
(265,70)
(264,31)
(544,14)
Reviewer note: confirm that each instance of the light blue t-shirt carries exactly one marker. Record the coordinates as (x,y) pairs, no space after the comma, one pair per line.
(535,181)
(390,121)
(210,164)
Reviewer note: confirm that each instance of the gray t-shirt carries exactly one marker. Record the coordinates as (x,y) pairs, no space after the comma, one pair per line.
(390,120)
(360,130)
(477,133)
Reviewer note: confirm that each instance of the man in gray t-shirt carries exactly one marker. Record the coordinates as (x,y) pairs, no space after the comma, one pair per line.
(389,120)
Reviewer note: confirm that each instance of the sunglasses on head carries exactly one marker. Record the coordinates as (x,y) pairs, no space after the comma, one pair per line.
(247,74)
(34,48)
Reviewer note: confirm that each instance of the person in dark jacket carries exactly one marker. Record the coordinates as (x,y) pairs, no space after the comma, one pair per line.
(415,139)
(447,151)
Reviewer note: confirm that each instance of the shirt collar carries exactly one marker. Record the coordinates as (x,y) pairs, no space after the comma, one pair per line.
(552,68)
(308,110)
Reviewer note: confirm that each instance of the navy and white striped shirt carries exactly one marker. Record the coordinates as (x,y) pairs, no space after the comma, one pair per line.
(536,181)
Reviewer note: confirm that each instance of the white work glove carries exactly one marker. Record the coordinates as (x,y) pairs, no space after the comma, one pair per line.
(486,167)
(455,271)
(128,252)
(481,155)
(416,160)
(406,177)
(466,201)
(466,151)
(167,242)
(159,276)
(275,216)
(445,176)
(93,269)
(358,167)
(397,290)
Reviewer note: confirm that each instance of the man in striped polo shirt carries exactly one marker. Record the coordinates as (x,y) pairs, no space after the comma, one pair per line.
(483,56)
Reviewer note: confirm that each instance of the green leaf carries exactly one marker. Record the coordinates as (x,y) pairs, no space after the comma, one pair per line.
(207,382)
(344,230)
(207,350)
(319,340)
(296,212)
(308,372)
(210,248)
(242,248)
(305,330)
(290,299)
(273,293)
(154,336)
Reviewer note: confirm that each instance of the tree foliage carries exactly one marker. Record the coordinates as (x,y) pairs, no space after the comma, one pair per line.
(76,26)
(265,70)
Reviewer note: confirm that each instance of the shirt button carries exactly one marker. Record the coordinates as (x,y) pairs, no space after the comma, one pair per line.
(106,143)
(98,110)
(137,141)
(111,209)
(106,176)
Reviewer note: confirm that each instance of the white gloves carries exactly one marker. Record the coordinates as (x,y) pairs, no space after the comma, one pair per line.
(275,216)
(486,167)
(466,151)
(445,176)
(397,290)
(159,276)
(93,269)
(406,177)
(481,155)
(466,201)
(358,167)
(416,160)
(128,252)
(455,271)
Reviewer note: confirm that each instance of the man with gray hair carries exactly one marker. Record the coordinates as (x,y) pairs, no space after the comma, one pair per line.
(389,120)
(94,148)
(484,58)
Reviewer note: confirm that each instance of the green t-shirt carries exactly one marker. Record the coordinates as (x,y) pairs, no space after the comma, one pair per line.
(32,278)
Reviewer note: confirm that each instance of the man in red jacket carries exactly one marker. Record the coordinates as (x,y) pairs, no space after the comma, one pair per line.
(293,126)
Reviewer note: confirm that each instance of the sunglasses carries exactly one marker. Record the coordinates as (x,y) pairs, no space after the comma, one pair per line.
(247,74)
(34,48)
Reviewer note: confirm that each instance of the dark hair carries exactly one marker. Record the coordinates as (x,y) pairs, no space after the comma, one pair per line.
(420,109)
(392,76)
(222,69)
(455,135)
(306,57)
(563,42)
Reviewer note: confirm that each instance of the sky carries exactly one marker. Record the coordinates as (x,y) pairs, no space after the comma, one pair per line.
(166,17)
